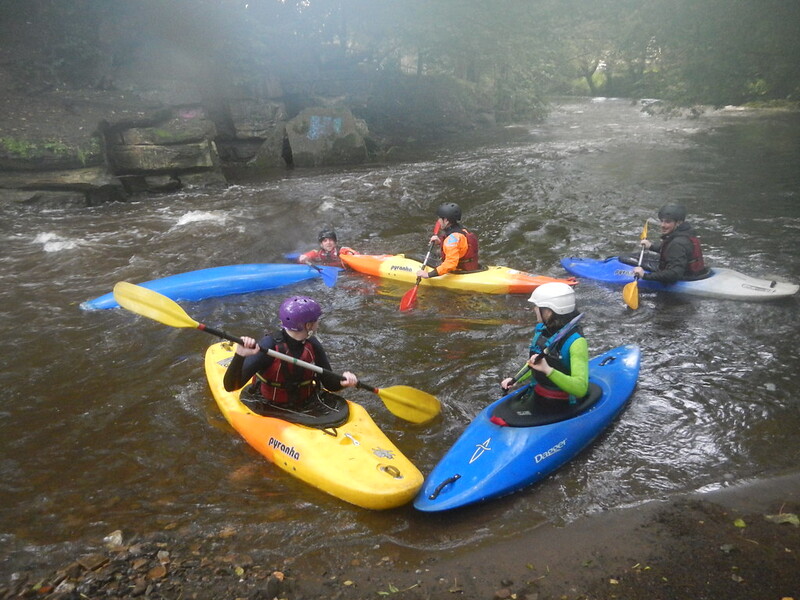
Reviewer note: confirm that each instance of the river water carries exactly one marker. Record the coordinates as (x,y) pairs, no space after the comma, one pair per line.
(107,421)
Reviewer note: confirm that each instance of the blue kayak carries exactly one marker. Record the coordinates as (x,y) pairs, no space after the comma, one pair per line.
(721,283)
(224,281)
(490,460)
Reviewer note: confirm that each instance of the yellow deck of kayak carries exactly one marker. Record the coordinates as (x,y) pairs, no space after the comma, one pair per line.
(492,280)
(355,462)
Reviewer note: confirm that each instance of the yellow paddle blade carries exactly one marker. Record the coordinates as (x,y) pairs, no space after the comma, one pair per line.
(409,403)
(150,304)
(644,231)
(630,293)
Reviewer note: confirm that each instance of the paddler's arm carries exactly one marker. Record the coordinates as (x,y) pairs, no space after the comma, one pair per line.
(677,261)
(246,361)
(522,376)
(454,247)
(308,257)
(576,384)
(329,381)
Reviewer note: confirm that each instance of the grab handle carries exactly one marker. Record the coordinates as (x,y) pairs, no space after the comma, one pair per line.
(440,487)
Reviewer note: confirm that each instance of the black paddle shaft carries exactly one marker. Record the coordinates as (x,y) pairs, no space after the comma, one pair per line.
(284,357)
(554,340)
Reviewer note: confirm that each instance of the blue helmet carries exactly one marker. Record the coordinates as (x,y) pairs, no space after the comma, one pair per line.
(296,311)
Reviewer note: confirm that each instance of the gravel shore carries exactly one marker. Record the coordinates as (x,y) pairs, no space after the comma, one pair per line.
(737,543)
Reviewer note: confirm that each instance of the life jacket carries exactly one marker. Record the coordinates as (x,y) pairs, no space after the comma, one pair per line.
(696,267)
(468,262)
(557,357)
(329,258)
(286,383)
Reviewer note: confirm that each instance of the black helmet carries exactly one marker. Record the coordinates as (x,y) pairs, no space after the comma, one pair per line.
(327,233)
(450,211)
(672,212)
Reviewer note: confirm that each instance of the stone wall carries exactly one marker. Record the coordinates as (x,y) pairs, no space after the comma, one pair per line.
(167,148)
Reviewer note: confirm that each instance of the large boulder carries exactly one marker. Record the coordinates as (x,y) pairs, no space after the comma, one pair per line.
(164,151)
(171,141)
(183,125)
(321,136)
(253,124)
(256,118)
(151,158)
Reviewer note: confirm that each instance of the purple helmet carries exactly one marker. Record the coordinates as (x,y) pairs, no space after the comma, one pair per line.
(296,311)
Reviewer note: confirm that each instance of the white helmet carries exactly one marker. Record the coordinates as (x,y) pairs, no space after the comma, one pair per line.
(558,297)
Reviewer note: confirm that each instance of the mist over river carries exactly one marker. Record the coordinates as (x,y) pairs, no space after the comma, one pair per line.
(108,423)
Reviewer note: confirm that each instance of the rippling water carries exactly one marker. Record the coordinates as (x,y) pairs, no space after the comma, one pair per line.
(107,422)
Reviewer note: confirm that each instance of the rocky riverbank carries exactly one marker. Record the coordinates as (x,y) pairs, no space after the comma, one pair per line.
(62,145)
(740,543)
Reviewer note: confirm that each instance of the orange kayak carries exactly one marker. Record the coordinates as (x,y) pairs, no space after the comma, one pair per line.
(491,280)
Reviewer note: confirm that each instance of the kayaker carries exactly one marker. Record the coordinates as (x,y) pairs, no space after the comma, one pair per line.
(278,383)
(680,254)
(328,251)
(561,370)
(459,246)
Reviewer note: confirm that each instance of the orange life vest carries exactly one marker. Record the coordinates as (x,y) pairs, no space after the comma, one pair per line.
(468,262)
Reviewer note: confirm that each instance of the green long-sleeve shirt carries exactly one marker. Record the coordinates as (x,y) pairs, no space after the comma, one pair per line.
(577,382)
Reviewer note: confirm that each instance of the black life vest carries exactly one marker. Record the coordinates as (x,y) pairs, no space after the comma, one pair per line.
(696,266)
(286,383)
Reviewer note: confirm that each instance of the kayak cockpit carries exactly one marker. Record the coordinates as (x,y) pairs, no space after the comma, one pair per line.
(328,411)
(521,410)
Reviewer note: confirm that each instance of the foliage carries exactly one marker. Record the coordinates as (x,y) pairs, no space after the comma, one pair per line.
(26,149)
(509,53)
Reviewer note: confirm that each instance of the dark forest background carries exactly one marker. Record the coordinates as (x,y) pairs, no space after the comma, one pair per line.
(397,56)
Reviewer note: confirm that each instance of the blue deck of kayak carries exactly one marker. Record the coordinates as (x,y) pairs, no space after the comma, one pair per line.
(218,281)
(490,460)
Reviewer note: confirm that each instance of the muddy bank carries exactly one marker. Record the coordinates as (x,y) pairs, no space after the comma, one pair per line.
(738,543)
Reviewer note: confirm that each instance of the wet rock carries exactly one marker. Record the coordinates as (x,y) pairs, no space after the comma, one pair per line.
(326,136)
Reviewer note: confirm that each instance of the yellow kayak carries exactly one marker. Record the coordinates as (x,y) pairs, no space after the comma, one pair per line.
(491,280)
(353,461)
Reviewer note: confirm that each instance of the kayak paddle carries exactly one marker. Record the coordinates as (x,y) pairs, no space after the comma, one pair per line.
(328,274)
(564,331)
(630,293)
(403,401)
(410,297)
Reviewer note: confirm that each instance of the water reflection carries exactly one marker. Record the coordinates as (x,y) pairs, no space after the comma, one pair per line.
(108,422)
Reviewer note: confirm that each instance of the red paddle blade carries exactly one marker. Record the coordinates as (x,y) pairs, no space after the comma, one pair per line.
(409,299)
